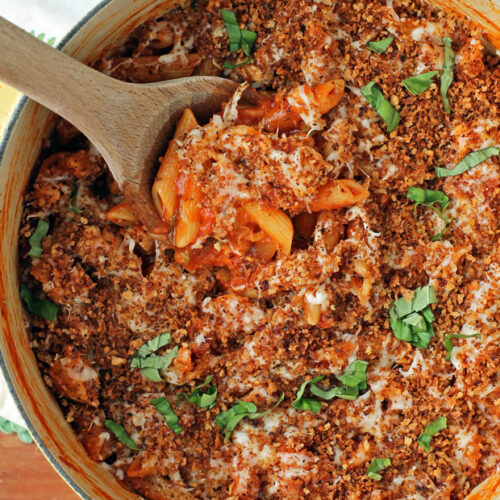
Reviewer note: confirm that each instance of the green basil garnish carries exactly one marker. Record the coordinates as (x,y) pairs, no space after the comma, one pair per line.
(41,307)
(164,409)
(377,465)
(232,28)
(380,46)
(238,39)
(247,40)
(449,345)
(204,400)
(355,374)
(469,161)
(151,363)
(302,403)
(36,238)
(341,391)
(229,419)
(447,72)
(353,380)
(427,198)
(419,83)
(424,440)
(381,105)
(121,434)
(412,322)
(228,65)
(153,345)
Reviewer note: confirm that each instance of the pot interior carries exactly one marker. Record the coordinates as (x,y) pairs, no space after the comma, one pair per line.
(107,25)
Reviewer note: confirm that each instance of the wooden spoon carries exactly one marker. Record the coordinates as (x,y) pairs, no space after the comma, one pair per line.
(128,123)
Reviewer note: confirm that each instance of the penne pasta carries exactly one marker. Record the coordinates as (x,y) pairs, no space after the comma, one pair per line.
(264,249)
(321,98)
(330,228)
(164,190)
(487,490)
(337,194)
(122,215)
(273,221)
(312,312)
(188,224)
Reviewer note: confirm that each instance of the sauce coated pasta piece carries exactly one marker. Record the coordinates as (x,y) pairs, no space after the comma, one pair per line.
(273,221)
(188,224)
(337,194)
(122,215)
(292,112)
(321,98)
(164,188)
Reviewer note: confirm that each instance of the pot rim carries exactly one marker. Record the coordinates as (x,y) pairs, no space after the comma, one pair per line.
(3,366)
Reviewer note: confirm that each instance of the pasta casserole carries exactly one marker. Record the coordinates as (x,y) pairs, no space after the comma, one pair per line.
(317,314)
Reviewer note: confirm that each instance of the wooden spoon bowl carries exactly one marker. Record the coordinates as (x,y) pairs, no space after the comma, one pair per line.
(128,123)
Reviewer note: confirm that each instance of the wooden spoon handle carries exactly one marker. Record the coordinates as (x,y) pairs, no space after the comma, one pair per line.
(55,80)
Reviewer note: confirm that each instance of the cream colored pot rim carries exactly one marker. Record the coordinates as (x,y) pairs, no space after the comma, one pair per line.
(5,140)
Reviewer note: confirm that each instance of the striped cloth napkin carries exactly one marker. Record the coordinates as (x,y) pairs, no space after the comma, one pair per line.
(49,20)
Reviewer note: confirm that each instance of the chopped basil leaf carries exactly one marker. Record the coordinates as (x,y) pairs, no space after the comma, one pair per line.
(424,440)
(447,72)
(151,363)
(121,434)
(402,307)
(261,414)
(423,297)
(416,320)
(428,314)
(228,65)
(382,106)
(343,392)
(354,380)
(164,408)
(412,322)
(238,39)
(449,345)
(247,40)
(470,161)
(205,400)
(377,465)
(427,198)
(233,30)
(302,403)
(355,375)
(41,307)
(155,361)
(419,83)
(229,419)
(154,344)
(36,238)
(380,46)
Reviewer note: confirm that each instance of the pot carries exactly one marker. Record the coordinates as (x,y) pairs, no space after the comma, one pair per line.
(108,24)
